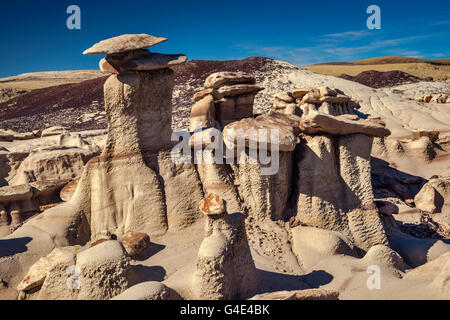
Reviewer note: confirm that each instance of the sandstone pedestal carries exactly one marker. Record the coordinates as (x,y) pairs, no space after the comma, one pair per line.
(225,268)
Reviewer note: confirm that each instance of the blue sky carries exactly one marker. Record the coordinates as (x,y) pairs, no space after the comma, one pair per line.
(34,35)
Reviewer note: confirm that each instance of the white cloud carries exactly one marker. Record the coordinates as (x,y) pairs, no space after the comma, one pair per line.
(337,47)
(348,35)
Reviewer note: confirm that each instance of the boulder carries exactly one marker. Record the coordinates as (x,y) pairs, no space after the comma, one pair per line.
(312,97)
(72,140)
(61,282)
(104,269)
(384,257)
(69,189)
(219,79)
(27,135)
(15,193)
(124,43)
(212,205)
(323,242)
(38,271)
(48,188)
(319,122)
(201,94)
(53,131)
(307,294)
(300,92)
(387,208)
(219,179)
(423,148)
(150,290)
(428,199)
(135,243)
(433,135)
(327,92)
(284,96)
(5,136)
(238,89)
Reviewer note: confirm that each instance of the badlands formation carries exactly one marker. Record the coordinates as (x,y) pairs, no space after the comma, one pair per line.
(357,208)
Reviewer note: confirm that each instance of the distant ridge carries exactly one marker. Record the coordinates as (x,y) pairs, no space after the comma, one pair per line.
(390,60)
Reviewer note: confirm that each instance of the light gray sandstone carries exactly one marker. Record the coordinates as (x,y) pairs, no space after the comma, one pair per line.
(152,61)
(219,79)
(150,290)
(225,268)
(319,122)
(104,269)
(124,43)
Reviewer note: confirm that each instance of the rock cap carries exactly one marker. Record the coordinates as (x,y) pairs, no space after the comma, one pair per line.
(212,205)
(124,43)
(219,79)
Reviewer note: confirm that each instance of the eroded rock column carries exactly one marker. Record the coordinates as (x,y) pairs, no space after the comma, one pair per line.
(225,268)
(128,187)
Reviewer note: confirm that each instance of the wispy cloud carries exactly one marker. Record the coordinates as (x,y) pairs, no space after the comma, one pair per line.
(341,47)
(348,35)
(441,22)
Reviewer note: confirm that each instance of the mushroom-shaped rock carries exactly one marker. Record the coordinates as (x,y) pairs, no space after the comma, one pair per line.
(219,79)
(225,268)
(123,43)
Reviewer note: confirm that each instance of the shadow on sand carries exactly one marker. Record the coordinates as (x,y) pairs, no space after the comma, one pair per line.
(272,281)
(9,247)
